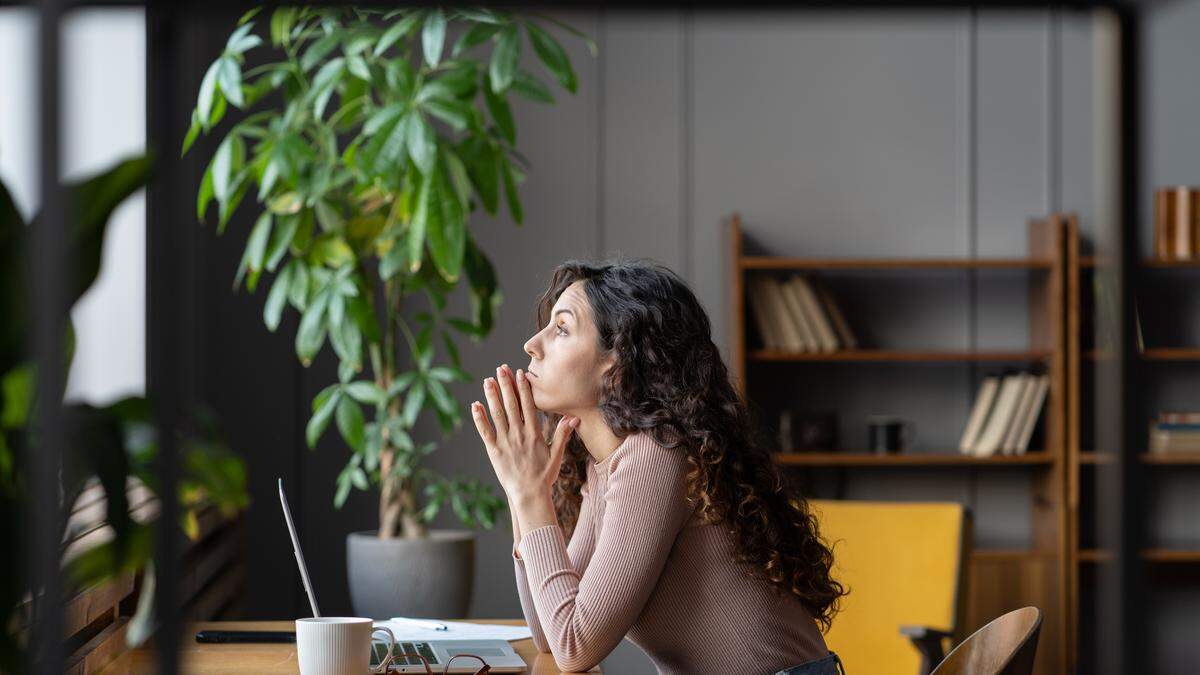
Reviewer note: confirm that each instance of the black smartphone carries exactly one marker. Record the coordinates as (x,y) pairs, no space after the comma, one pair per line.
(231,636)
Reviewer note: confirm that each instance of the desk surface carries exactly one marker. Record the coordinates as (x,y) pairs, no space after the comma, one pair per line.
(204,659)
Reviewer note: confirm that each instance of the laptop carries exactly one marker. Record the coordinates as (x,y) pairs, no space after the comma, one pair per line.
(499,654)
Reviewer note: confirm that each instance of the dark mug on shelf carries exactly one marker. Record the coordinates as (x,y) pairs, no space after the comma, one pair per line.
(887,435)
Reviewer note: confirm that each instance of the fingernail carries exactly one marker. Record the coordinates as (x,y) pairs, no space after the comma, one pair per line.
(575,423)
(520,375)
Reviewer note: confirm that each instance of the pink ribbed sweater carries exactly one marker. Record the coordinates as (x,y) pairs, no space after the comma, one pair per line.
(641,564)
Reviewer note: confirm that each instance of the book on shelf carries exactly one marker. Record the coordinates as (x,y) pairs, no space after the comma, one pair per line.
(979,410)
(1032,412)
(1004,414)
(826,338)
(1179,417)
(840,325)
(787,329)
(797,315)
(760,310)
(1180,433)
(1025,391)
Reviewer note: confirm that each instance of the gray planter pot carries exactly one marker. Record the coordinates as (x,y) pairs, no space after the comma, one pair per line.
(431,577)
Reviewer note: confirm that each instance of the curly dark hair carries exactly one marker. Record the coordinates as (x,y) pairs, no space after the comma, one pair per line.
(669,381)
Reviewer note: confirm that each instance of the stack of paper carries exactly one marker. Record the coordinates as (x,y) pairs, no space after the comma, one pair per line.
(414,630)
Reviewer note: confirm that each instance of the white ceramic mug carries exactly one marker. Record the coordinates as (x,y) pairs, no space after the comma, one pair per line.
(339,645)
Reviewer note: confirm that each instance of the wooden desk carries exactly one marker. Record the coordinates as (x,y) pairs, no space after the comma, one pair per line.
(267,659)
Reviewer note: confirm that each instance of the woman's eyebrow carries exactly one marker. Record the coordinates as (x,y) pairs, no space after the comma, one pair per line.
(560,311)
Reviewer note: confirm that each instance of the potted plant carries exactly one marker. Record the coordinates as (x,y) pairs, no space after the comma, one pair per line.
(367,149)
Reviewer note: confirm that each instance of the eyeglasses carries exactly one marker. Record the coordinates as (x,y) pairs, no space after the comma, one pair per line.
(484,669)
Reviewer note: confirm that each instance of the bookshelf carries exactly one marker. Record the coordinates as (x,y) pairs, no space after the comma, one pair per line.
(1157,363)
(998,579)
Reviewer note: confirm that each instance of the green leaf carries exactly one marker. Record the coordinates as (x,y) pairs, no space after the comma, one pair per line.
(225,162)
(420,220)
(505,57)
(479,14)
(365,391)
(324,83)
(440,396)
(422,145)
(357,66)
(204,103)
(311,334)
(286,203)
(242,32)
(298,289)
(225,212)
(508,172)
(446,229)
(277,298)
(552,55)
(350,422)
(252,257)
(531,88)
(192,132)
(591,44)
(281,239)
(396,31)
(281,25)
(205,195)
(413,403)
(229,76)
(454,113)
(270,175)
(483,167)
(320,418)
(387,134)
(343,490)
(433,36)
(497,105)
(331,250)
(318,50)
(474,35)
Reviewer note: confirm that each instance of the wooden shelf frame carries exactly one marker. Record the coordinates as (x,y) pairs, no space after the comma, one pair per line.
(763,262)
(1041,570)
(902,356)
(910,459)
(1079,270)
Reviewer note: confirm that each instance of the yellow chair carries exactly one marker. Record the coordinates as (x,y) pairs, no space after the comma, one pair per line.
(904,565)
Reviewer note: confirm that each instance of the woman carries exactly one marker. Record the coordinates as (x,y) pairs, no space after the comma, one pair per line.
(681,536)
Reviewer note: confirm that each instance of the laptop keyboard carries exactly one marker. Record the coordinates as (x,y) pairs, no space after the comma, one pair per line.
(421,648)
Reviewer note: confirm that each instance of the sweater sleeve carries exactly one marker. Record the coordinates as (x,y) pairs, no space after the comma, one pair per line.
(579,551)
(586,615)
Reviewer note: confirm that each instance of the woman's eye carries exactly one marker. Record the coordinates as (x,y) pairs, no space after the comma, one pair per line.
(561,330)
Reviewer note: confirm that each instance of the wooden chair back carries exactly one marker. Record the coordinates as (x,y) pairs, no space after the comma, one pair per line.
(1005,646)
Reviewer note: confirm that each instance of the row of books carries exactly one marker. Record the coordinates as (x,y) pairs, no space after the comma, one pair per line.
(797,314)
(1004,414)
(1175,432)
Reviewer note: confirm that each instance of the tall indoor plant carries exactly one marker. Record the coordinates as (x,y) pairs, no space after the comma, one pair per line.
(367,149)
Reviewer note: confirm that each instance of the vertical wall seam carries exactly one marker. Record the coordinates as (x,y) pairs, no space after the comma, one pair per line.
(972,151)
(1054,110)
(600,158)
(685,149)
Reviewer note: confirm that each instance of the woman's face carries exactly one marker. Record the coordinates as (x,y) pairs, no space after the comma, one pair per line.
(565,366)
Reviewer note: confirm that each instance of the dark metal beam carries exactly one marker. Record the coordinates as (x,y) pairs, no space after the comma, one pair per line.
(165,250)
(49,294)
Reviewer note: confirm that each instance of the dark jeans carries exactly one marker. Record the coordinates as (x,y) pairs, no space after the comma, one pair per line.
(826,665)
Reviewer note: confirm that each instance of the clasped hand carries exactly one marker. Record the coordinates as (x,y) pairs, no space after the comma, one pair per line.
(525,465)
